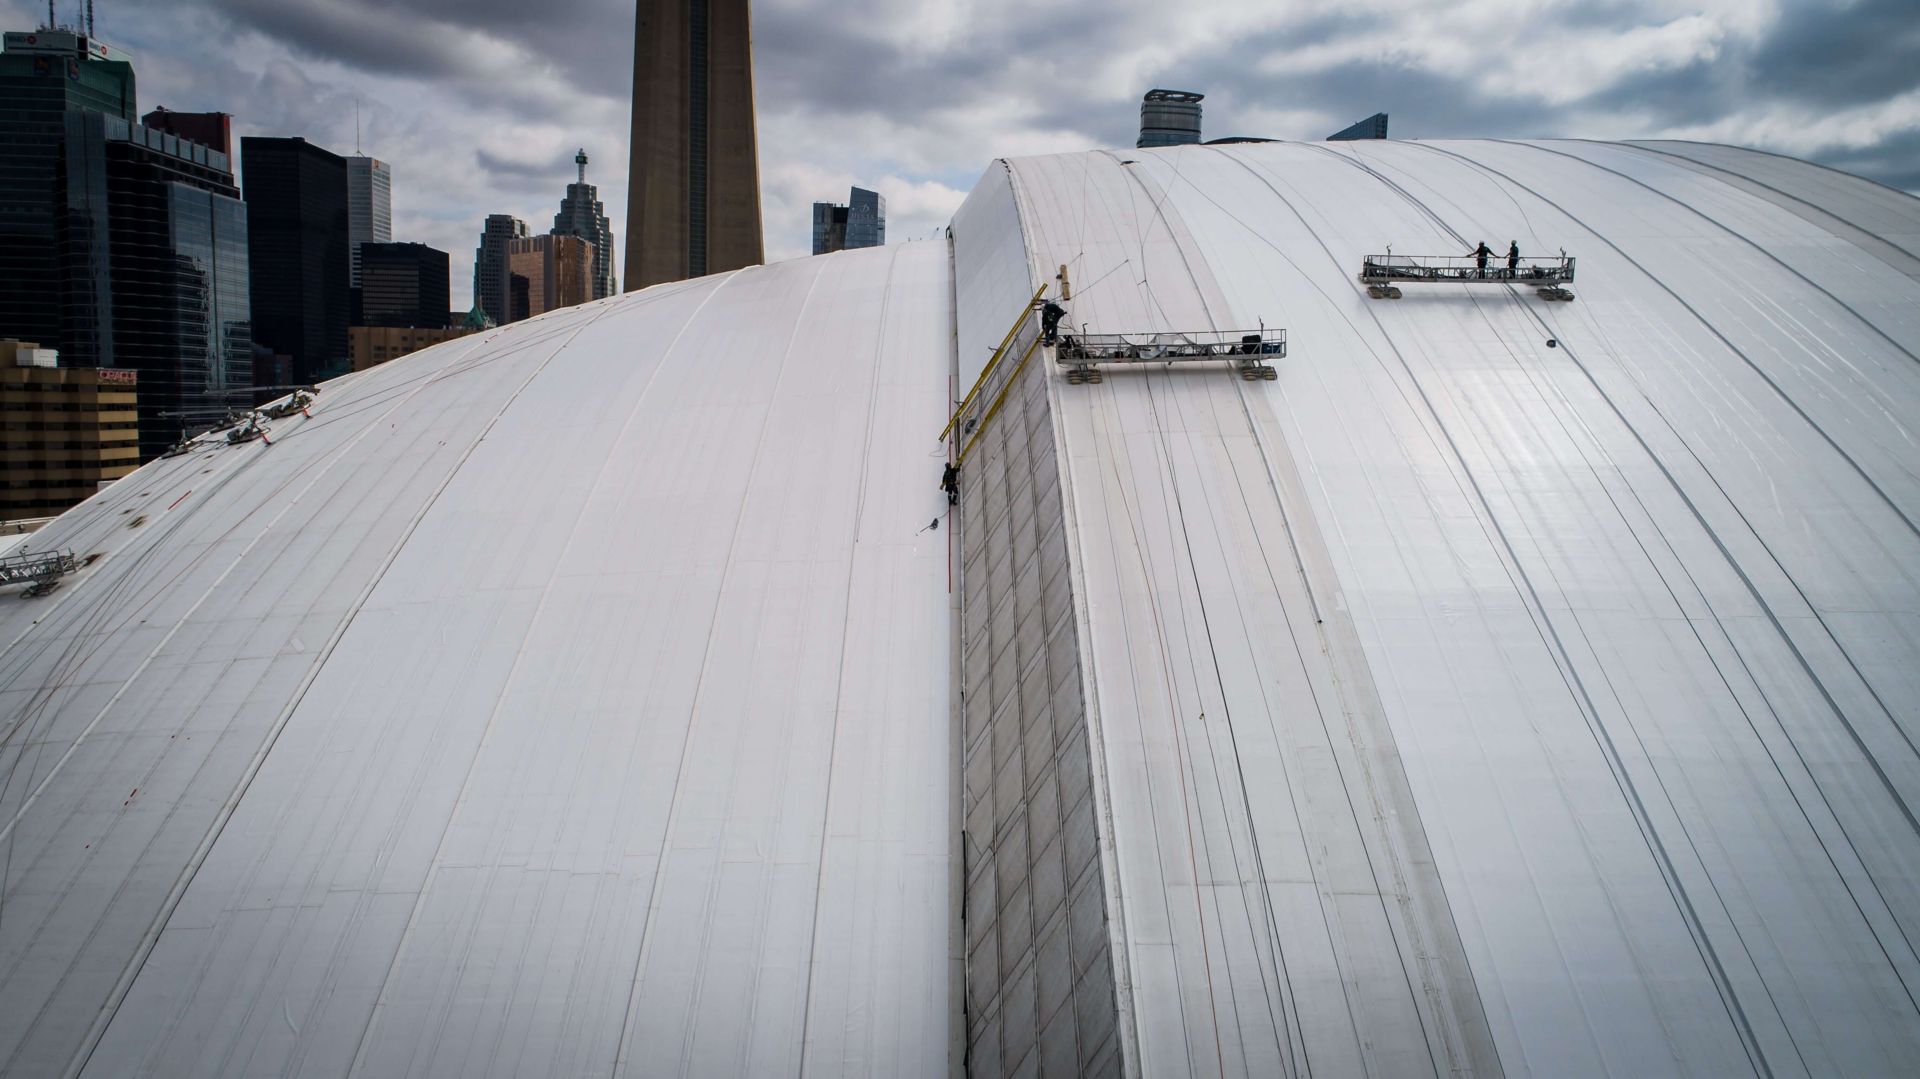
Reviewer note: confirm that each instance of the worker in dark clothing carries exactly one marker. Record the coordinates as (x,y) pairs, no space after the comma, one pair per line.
(1513,258)
(1481,254)
(950,483)
(1050,317)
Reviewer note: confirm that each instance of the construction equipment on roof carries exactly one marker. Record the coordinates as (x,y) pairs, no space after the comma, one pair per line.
(250,431)
(291,405)
(1248,352)
(41,573)
(1383,274)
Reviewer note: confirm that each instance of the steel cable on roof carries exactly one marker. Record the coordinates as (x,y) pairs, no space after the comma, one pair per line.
(1288,1022)
(1528,311)
(1652,764)
(1726,683)
(1514,297)
(1622,775)
(1832,703)
(1648,147)
(1373,870)
(1285,1028)
(1220,684)
(1736,234)
(1570,675)
(1188,799)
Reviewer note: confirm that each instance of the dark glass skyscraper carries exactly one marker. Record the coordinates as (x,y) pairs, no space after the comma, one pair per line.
(44,74)
(582,215)
(860,223)
(492,278)
(1373,127)
(122,245)
(403,285)
(297,220)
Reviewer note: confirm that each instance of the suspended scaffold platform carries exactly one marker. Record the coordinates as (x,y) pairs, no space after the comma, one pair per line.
(41,573)
(1383,274)
(1249,352)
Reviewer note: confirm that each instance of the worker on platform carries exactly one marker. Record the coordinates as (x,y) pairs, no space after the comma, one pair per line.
(950,483)
(1513,258)
(1050,317)
(1480,255)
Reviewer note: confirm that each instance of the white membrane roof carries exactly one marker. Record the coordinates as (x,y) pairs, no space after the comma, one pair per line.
(1585,635)
(577,698)
(567,700)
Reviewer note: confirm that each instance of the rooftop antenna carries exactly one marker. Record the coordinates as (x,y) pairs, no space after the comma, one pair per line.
(356,123)
(51,22)
(89,18)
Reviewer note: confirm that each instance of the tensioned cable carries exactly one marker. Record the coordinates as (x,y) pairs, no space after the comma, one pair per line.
(1806,665)
(1570,675)
(1725,681)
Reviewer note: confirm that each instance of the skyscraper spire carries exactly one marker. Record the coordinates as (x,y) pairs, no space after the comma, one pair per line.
(582,215)
(694,201)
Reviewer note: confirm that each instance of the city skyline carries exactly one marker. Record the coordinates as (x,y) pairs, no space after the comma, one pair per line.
(850,99)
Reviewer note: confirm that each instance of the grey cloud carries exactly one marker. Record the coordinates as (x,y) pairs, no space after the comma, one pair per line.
(1840,54)
(432,98)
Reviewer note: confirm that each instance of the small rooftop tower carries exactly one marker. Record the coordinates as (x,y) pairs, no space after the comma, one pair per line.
(580,159)
(1170,118)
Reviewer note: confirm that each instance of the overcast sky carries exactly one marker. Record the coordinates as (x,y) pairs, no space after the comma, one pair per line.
(480,104)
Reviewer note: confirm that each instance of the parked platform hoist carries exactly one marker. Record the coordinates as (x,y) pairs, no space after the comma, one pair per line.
(41,573)
(1384,274)
(1248,352)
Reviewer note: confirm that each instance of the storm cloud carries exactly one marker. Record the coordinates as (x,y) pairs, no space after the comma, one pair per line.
(480,104)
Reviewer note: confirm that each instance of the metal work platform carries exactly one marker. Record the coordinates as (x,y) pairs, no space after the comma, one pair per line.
(40,572)
(1247,351)
(1383,274)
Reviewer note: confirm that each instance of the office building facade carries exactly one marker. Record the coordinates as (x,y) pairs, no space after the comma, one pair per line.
(214,130)
(297,220)
(862,222)
(403,284)
(558,271)
(581,214)
(122,246)
(371,346)
(369,208)
(694,197)
(45,74)
(492,279)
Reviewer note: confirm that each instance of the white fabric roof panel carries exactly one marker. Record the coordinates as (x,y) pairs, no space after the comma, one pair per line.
(578,695)
(577,698)
(1638,609)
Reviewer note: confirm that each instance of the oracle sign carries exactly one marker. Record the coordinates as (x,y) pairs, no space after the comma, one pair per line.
(113,377)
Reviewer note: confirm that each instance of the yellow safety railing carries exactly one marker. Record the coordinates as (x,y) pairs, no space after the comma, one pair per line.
(998,399)
(1000,353)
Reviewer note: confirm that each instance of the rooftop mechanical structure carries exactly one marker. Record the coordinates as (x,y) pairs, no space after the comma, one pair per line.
(1503,687)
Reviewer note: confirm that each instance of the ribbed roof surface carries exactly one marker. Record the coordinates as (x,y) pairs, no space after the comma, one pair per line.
(1602,748)
(578,697)
(566,700)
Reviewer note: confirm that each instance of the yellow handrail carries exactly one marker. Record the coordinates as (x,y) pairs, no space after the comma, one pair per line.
(987,372)
(999,399)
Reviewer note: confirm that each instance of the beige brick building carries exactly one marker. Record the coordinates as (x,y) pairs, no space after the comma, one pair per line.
(63,431)
(370,346)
